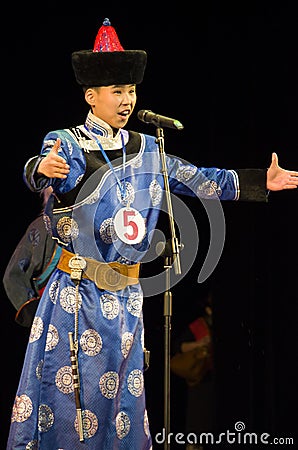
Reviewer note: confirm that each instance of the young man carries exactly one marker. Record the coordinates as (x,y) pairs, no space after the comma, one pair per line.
(82,383)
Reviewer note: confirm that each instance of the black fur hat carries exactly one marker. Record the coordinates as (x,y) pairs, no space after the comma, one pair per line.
(108,63)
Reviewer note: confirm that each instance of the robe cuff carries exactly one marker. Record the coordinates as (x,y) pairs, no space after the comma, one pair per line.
(33,180)
(253,185)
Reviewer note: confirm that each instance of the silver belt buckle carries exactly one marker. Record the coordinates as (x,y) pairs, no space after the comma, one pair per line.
(77,265)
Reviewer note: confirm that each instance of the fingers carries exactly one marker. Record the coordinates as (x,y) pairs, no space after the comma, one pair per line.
(290,186)
(293,179)
(292,182)
(59,170)
(58,174)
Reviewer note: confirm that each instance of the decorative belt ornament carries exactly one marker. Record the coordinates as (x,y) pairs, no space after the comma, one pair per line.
(111,276)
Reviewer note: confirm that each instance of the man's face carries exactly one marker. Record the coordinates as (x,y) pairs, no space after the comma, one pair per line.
(113,104)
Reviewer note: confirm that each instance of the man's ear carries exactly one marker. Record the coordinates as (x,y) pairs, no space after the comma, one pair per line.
(89,96)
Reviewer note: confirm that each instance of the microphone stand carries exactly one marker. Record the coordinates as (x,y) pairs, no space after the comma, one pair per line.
(171,257)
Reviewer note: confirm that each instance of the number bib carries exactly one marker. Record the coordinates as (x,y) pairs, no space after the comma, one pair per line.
(129,225)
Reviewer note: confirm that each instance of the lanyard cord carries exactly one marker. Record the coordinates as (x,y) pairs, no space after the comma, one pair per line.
(122,186)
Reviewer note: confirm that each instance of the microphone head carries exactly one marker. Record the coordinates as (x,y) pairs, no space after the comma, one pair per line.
(147,116)
(142,114)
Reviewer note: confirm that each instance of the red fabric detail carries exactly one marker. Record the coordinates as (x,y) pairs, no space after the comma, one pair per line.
(41,291)
(199,328)
(107,39)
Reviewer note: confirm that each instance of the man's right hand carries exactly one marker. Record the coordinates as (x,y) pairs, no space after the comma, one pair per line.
(53,165)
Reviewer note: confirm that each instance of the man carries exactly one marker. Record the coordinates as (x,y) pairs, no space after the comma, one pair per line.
(82,381)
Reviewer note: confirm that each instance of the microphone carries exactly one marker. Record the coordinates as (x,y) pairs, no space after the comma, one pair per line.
(148,116)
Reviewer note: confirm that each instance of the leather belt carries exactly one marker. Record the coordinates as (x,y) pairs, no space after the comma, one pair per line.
(111,276)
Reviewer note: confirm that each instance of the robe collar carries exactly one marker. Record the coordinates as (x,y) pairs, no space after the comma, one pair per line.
(99,130)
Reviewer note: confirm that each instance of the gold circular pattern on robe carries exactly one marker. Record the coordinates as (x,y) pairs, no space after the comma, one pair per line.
(91,342)
(90,424)
(52,338)
(135,303)
(185,173)
(67,229)
(32,445)
(54,291)
(107,231)
(38,369)
(64,380)
(155,192)
(209,189)
(135,382)
(22,408)
(122,425)
(36,329)
(109,306)
(68,299)
(45,418)
(109,384)
(128,191)
(126,343)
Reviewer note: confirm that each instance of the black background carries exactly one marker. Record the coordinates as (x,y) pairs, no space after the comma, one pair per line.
(231,78)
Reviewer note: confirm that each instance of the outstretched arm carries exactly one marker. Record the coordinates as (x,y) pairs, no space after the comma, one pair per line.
(278,178)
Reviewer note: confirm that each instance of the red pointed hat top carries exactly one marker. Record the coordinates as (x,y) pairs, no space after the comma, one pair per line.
(107,39)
